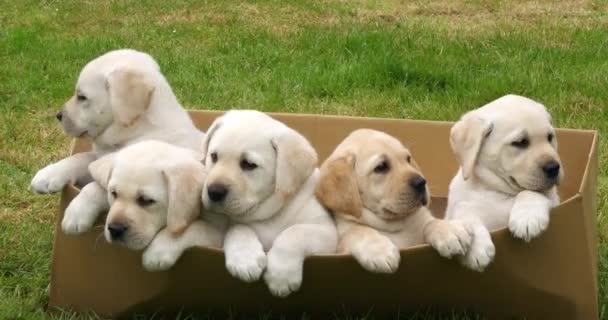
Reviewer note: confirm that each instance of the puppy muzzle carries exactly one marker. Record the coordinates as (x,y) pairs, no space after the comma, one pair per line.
(69,126)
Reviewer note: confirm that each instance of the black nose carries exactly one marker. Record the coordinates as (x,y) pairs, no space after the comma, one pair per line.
(217,192)
(117,230)
(418,183)
(59,116)
(551,169)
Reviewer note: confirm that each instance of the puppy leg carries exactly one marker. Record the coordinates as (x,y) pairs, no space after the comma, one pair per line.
(245,256)
(529,216)
(166,248)
(482,250)
(54,177)
(449,238)
(82,212)
(373,251)
(286,257)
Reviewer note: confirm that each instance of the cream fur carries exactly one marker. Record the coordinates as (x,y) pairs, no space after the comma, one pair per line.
(170,179)
(377,213)
(120,98)
(276,222)
(500,184)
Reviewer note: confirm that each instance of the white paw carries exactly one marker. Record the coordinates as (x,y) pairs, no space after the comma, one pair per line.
(159,257)
(246,264)
(479,256)
(79,216)
(378,255)
(50,179)
(528,223)
(450,238)
(283,275)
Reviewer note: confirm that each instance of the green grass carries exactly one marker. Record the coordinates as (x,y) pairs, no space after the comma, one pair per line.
(375,58)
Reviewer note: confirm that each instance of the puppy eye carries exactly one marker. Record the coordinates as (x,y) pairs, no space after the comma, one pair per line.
(144,201)
(409,159)
(382,167)
(214,157)
(521,144)
(81,97)
(114,194)
(550,137)
(248,166)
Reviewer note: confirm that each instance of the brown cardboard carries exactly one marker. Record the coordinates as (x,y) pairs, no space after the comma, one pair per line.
(553,277)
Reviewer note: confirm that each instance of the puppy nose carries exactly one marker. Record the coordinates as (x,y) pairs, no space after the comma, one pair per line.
(418,183)
(117,230)
(59,115)
(217,192)
(551,169)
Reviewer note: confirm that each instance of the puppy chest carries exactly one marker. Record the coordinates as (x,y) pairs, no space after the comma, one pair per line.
(405,239)
(267,233)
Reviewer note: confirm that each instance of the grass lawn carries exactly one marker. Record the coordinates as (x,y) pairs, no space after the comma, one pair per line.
(423,60)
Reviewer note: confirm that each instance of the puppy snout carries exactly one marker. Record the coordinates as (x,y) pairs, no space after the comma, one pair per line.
(551,169)
(59,116)
(418,183)
(217,192)
(117,230)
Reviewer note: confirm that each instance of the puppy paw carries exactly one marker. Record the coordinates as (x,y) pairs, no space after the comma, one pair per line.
(378,255)
(79,216)
(479,256)
(49,180)
(528,222)
(159,257)
(449,238)
(246,264)
(283,275)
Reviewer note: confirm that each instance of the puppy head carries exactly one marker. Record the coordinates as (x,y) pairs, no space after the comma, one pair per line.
(114,88)
(508,144)
(250,158)
(151,185)
(372,170)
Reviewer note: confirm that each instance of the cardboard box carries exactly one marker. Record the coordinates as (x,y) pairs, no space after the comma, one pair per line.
(553,277)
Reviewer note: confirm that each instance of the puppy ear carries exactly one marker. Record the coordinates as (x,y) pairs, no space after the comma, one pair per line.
(466,138)
(184,187)
(296,161)
(130,94)
(337,189)
(210,132)
(101,169)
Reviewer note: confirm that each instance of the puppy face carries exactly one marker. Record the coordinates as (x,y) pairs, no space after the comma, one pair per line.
(138,206)
(241,172)
(373,170)
(510,145)
(114,88)
(88,111)
(250,158)
(150,185)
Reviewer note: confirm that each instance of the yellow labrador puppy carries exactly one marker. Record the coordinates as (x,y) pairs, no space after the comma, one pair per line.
(509,169)
(262,176)
(120,98)
(378,196)
(154,193)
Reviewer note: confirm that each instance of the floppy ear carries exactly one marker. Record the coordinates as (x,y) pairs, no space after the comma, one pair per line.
(337,189)
(130,94)
(296,161)
(217,123)
(184,187)
(466,138)
(101,169)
